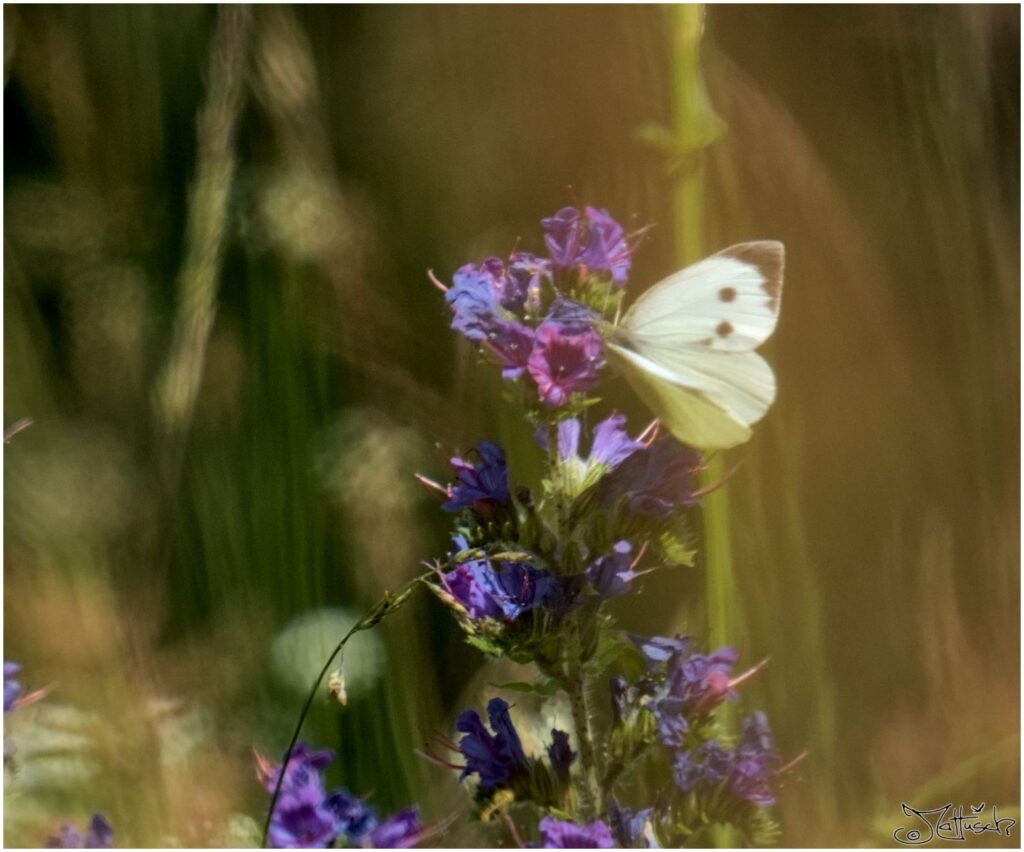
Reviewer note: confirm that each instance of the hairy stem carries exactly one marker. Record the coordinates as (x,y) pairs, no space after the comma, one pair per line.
(576,690)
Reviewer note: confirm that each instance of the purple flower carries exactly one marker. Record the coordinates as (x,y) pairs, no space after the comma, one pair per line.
(352,816)
(594,240)
(400,831)
(473,299)
(497,758)
(98,836)
(631,830)
(304,761)
(707,766)
(560,753)
(12,689)
(504,592)
(521,291)
(570,315)
(660,649)
(560,834)
(755,762)
(656,481)
(694,684)
(611,575)
(563,237)
(608,449)
(480,486)
(302,818)
(563,363)
(512,342)
(606,248)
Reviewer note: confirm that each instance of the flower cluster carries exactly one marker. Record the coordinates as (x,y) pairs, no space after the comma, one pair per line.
(670,709)
(495,756)
(538,317)
(307,817)
(99,835)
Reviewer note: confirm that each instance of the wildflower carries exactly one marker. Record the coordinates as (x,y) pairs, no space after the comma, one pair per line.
(606,248)
(571,315)
(594,240)
(12,688)
(403,830)
(99,835)
(506,592)
(693,685)
(473,299)
(560,753)
(497,758)
(755,763)
(354,819)
(611,575)
(512,342)
(480,486)
(655,481)
(303,762)
(563,362)
(632,830)
(609,447)
(660,649)
(707,766)
(521,291)
(562,834)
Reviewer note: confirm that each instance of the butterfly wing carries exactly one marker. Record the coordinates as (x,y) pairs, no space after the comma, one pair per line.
(727,302)
(686,346)
(685,411)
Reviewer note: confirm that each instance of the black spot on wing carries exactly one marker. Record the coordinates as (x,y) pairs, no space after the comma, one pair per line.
(724,328)
(727,294)
(769,256)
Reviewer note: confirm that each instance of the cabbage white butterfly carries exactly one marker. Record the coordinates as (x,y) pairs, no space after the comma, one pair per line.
(687,344)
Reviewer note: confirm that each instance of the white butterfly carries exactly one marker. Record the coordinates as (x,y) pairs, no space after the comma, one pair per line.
(687,344)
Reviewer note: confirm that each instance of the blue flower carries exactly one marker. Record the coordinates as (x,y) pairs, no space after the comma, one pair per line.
(496,758)
(560,753)
(632,830)
(570,315)
(707,766)
(480,486)
(99,835)
(505,592)
(756,762)
(611,575)
(608,449)
(473,299)
(561,834)
(564,362)
(660,649)
(654,482)
(402,830)
(12,688)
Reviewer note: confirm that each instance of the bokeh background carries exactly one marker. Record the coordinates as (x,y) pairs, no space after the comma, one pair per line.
(217,223)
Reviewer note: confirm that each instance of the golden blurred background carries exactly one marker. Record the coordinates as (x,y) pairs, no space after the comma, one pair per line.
(217,226)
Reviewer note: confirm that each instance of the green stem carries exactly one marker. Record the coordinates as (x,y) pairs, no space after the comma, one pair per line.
(575,687)
(381,610)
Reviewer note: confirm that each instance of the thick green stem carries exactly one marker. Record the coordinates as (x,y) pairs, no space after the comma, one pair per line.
(589,795)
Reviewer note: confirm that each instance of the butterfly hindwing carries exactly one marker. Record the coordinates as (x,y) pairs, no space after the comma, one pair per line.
(727,302)
(686,411)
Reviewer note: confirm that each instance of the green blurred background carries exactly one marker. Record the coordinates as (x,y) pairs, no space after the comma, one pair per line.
(217,227)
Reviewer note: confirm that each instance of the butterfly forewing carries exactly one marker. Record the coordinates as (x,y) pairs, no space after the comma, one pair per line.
(727,302)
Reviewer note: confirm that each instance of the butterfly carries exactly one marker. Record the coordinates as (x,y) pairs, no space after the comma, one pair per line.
(687,345)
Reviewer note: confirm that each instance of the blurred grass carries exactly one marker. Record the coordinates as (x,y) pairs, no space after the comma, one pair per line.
(871,545)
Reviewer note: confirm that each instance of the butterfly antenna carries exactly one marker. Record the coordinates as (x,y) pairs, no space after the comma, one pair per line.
(435,282)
